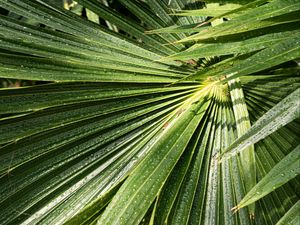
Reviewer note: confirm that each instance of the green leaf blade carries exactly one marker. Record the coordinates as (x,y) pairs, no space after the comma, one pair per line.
(145,187)
(281,114)
(285,170)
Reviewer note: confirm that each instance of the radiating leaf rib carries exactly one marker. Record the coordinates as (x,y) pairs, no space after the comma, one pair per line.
(270,201)
(80,130)
(178,4)
(173,185)
(184,199)
(231,12)
(167,195)
(82,144)
(211,213)
(151,182)
(163,11)
(232,182)
(124,144)
(274,147)
(215,70)
(93,209)
(285,170)
(240,47)
(236,172)
(74,70)
(22,37)
(281,114)
(292,216)
(53,70)
(74,144)
(64,20)
(128,25)
(281,52)
(242,122)
(285,22)
(281,198)
(51,95)
(279,202)
(147,17)
(245,21)
(197,210)
(116,170)
(21,126)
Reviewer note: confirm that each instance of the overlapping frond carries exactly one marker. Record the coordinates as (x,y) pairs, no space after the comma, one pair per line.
(134,128)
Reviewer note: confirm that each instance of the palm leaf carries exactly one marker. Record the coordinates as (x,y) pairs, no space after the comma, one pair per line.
(127,127)
(291,216)
(281,114)
(284,171)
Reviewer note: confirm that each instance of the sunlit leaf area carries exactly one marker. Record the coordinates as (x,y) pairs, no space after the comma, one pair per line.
(150,112)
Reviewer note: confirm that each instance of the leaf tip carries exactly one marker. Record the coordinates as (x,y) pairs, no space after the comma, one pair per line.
(201,24)
(235,209)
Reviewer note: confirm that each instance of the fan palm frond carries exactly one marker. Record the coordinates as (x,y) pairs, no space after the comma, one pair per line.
(160,112)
